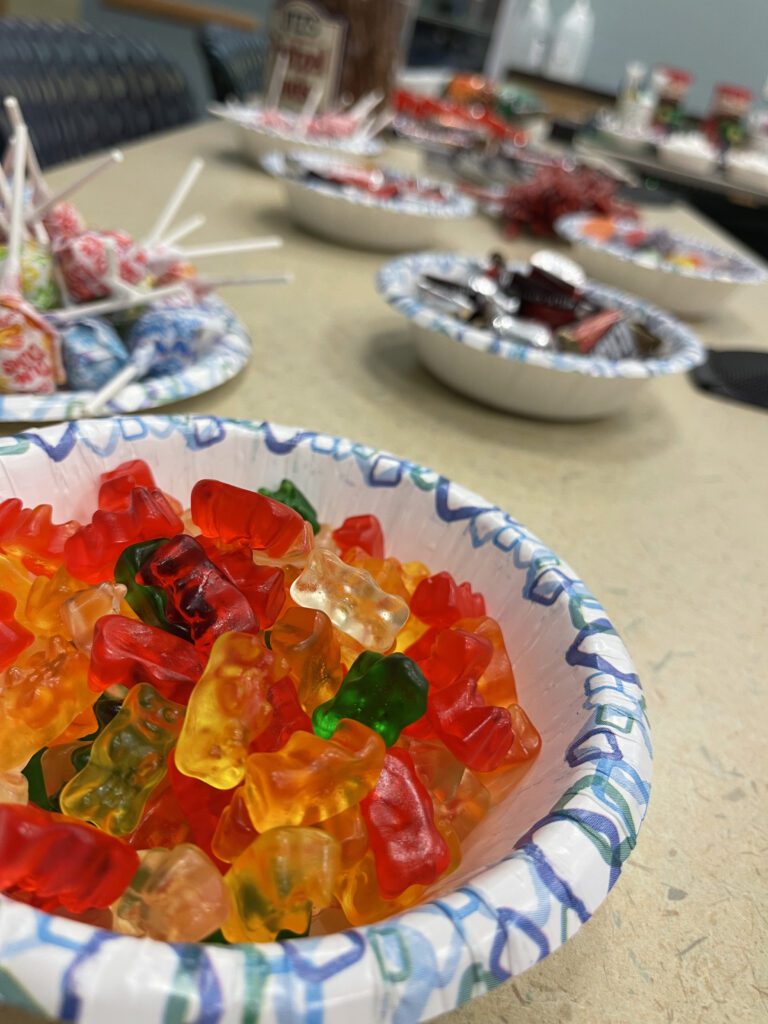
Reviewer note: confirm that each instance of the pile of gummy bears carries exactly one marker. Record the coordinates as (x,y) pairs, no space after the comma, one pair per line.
(233,723)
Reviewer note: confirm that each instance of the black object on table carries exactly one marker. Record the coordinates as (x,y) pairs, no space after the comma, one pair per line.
(739,375)
(236,60)
(83,90)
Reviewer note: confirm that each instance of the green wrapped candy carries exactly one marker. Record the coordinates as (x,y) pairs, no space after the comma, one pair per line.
(38,285)
(289,494)
(386,692)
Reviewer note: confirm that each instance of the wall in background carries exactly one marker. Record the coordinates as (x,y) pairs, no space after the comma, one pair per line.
(718,41)
(177,42)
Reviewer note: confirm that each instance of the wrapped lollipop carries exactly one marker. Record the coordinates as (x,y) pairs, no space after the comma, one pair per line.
(92,352)
(85,263)
(178,336)
(29,346)
(38,284)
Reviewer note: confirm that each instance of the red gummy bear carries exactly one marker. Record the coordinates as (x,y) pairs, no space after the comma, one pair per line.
(407,847)
(362,532)
(202,806)
(90,553)
(127,651)
(117,484)
(235,514)
(199,595)
(289,717)
(440,601)
(263,586)
(31,535)
(477,734)
(60,860)
(14,638)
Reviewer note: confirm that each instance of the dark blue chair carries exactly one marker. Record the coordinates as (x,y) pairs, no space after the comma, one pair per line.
(83,90)
(236,61)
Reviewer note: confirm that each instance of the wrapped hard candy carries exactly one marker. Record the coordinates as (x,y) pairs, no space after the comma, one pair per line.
(89,261)
(37,281)
(29,350)
(179,336)
(93,353)
(63,223)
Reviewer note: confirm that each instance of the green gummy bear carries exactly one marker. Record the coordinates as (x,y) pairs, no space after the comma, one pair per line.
(149,603)
(386,692)
(289,494)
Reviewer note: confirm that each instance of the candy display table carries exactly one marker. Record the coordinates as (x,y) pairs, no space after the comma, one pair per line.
(661,510)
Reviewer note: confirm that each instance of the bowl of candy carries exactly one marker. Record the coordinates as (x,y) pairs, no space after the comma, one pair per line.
(539,338)
(369,208)
(291,722)
(260,130)
(93,320)
(689,276)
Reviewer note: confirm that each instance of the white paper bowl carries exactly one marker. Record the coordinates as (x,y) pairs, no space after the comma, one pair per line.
(255,143)
(749,169)
(354,218)
(692,159)
(692,293)
(539,865)
(516,378)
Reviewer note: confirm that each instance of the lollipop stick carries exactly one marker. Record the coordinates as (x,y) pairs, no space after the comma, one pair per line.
(16,117)
(209,282)
(276,81)
(177,197)
(309,109)
(377,124)
(366,104)
(185,228)
(115,157)
(121,379)
(11,279)
(115,305)
(221,248)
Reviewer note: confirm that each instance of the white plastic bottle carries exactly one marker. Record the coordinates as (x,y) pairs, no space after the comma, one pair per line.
(531,35)
(572,43)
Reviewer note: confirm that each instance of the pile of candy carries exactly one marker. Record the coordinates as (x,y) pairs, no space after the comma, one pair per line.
(446,120)
(85,308)
(656,247)
(377,183)
(544,307)
(233,722)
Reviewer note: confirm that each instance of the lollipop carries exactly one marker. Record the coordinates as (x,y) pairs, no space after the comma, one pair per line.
(85,263)
(162,257)
(38,284)
(29,357)
(177,337)
(92,352)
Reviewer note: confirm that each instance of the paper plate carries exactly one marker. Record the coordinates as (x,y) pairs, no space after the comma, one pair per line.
(227,356)
(534,871)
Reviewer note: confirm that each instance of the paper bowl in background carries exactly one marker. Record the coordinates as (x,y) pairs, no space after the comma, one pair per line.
(514,377)
(255,141)
(694,293)
(356,218)
(536,868)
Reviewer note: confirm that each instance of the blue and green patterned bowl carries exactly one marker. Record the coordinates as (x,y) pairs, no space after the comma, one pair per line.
(534,871)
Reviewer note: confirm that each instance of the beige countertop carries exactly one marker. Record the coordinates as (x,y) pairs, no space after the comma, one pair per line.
(662,510)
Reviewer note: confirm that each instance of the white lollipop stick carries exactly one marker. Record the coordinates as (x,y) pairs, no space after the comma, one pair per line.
(115,157)
(11,279)
(209,282)
(365,105)
(16,117)
(221,248)
(372,128)
(185,228)
(121,379)
(309,109)
(115,305)
(179,194)
(277,81)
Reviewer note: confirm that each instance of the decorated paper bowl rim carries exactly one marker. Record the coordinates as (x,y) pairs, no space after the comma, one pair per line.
(463,943)
(396,282)
(227,356)
(454,206)
(242,117)
(744,270)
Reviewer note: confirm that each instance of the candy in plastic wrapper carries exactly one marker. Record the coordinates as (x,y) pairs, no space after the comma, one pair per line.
(37,283)
(585,335)
(29,354)
(92,353)
(180,336)
(85,263)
